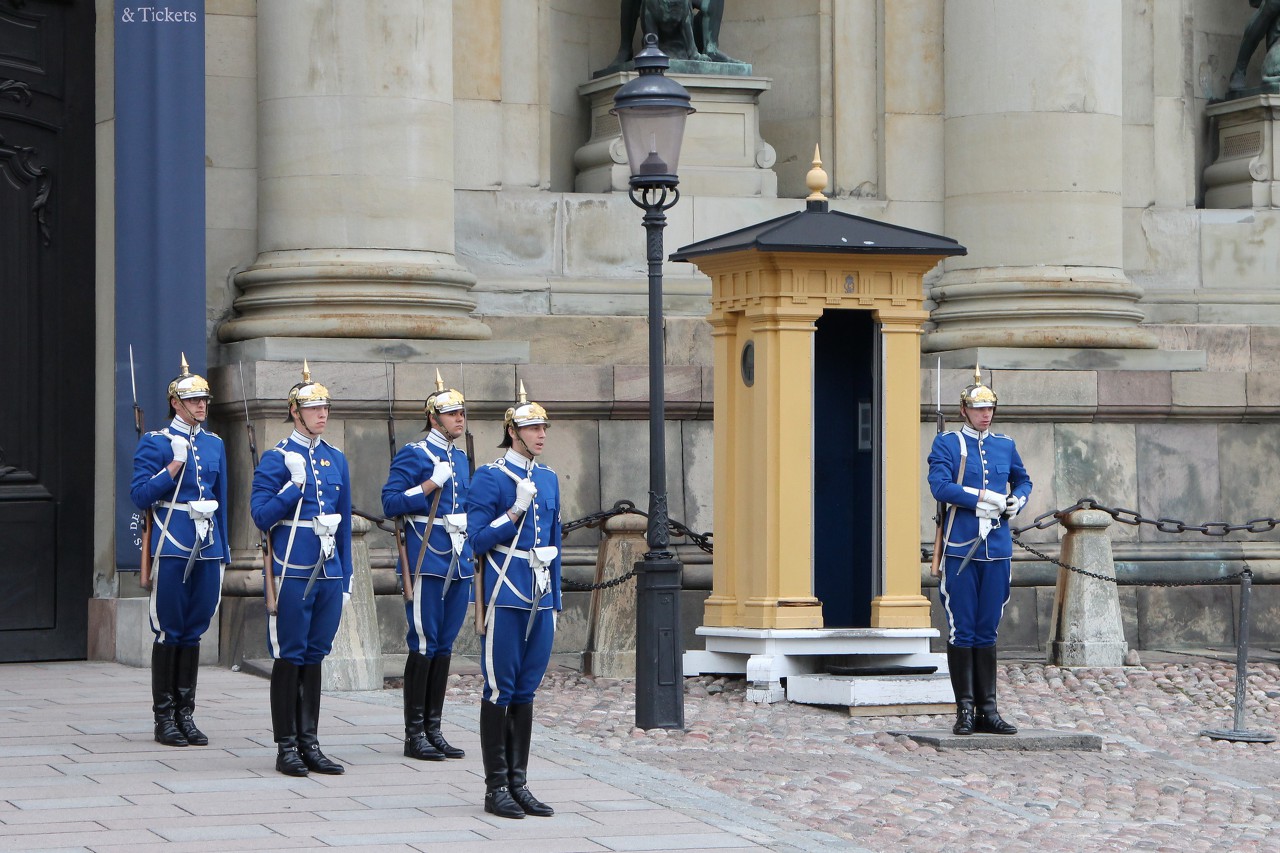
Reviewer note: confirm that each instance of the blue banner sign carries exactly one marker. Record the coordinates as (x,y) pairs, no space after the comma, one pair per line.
(159,222)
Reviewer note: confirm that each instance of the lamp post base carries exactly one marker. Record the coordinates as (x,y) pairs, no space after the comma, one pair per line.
(659,673)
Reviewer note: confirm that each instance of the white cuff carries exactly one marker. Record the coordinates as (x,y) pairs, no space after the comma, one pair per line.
(416,490)
(500,520)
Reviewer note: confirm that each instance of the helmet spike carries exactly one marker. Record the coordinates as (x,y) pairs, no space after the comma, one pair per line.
(524,396)
(186,368)
(439,381)
(306,371)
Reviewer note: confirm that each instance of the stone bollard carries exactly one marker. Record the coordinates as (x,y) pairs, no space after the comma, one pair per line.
(356,660)
(1086,629)
(613,611)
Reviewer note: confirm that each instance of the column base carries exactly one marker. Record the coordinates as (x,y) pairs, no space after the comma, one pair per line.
(364,293)
(1051,306)
(900,611)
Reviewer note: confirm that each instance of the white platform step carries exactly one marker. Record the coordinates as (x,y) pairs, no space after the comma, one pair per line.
(865,694)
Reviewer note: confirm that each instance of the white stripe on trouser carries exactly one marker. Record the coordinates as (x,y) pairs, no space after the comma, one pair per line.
(417,615)
(946,603)
(495,693)
(153,611)
(273,637)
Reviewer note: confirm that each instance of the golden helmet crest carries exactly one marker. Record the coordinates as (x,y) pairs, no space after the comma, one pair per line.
(307,394)
(442,400)
(189,385)
(524,413)
(978,395)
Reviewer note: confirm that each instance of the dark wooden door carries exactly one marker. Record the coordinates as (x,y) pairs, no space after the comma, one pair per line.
(47,405)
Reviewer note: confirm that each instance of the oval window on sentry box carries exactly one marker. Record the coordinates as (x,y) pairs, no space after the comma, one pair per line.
(749,363)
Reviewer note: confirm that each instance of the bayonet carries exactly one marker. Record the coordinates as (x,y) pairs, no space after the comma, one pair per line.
(940,514)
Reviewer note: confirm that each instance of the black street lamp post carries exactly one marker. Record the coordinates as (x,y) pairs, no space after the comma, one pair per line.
(651,110)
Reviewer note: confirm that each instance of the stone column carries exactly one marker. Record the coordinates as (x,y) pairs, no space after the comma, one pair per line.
(1086,628)
(613,610)
(355,176)
(1033,131)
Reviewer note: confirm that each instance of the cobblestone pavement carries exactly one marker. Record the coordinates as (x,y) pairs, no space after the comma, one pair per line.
(1156,785)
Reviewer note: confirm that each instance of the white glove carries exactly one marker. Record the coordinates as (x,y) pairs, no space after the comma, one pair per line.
(297,467)
(346,599)
(525,492)
(441,474)
(179,445)
(1013,505)
(988,507)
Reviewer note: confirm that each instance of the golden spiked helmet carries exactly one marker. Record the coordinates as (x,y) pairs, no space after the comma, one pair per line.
(978,395)
(524,413)
(189,385)
(442,400)
(307,394)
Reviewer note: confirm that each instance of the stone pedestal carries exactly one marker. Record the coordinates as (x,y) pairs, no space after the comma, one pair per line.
(722,154)
(1246,172)
(1086,628)
(612,644)
(356,660)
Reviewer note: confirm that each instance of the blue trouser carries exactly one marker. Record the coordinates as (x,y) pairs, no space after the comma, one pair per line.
(181,612)
(974,600)
(511,665)
(302,630)
(435,617)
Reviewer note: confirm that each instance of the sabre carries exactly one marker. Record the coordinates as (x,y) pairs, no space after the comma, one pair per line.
(144,567)
(264,541)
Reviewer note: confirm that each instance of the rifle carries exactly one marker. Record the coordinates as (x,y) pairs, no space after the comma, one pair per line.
(406,583)
(144,567)
(940,515)
(264,541)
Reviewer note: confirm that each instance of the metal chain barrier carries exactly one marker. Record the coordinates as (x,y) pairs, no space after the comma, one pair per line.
(1164,525)
(623,507)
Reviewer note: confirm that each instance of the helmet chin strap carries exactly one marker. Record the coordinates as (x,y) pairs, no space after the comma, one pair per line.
(306,428)
(527,452)
(192,420)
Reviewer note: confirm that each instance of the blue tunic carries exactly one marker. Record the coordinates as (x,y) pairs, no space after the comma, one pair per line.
(436,613)
(303,629)
(182,606)
(974,599)
(520,628)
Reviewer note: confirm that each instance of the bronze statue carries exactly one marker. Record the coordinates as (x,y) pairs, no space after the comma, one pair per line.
(1265,23)
(686,29)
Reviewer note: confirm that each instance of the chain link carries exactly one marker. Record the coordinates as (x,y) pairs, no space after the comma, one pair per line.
(1164,525)
(595,519)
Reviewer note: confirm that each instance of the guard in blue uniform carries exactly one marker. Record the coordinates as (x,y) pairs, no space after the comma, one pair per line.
(427,487)
(513,515)
(180,479)
(979,475)
(302,498)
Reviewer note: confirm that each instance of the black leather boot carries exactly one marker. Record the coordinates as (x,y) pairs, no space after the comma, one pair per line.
(519,735)
(284,718)
(960,662)
(416,744)
(493,752)
(309,722)
(163,704)
(987,719)
(437,681)
(185,673)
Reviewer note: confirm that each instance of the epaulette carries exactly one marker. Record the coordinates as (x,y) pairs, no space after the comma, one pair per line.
(156,432)
(214,434)
(537,464)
